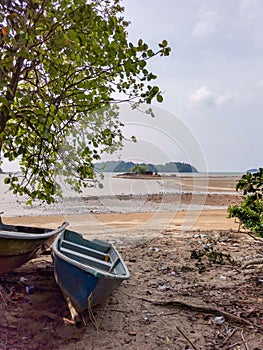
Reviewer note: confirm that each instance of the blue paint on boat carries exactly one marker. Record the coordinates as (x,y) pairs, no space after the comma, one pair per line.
(75,283)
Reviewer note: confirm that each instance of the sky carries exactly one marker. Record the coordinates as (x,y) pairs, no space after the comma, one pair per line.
(212,82)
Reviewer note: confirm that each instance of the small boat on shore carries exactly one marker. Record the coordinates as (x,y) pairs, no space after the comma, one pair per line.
(86,271)
(19,244)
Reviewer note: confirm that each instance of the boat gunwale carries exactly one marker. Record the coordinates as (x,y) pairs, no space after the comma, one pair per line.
(30,236)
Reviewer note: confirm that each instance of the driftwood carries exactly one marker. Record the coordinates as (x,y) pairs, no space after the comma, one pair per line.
(258,261)
(205,309)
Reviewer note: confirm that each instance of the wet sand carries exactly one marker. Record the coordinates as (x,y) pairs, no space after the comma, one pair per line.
(132,223)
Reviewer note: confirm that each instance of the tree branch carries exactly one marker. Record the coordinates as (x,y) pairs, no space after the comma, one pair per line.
(205,309)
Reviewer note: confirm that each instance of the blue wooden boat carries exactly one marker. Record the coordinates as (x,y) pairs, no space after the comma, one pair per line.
(19,244)
(86,271)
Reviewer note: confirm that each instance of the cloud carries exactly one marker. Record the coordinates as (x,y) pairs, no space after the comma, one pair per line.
(203,97)
(223,100)
(207,24)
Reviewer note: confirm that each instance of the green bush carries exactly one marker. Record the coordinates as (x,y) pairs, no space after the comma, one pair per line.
(250,212)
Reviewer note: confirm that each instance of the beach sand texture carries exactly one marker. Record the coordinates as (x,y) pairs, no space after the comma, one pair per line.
(165,303)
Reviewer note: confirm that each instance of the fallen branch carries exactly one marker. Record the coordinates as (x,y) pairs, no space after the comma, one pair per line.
(258,239)
(252,262)
(205,309)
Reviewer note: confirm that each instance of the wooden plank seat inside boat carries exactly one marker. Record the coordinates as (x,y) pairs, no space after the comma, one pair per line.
(85,250)
(89,256)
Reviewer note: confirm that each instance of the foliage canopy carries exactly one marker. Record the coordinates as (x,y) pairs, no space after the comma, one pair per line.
(250,212)
(139,168)
(64,65)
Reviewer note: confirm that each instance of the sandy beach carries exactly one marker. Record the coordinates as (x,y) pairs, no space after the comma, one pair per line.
(188,289)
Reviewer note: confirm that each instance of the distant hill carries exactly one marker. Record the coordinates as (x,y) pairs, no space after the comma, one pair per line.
(252,170)
(125,167)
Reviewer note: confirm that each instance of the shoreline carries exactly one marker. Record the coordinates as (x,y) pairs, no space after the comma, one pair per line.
(123,203)
(133,226)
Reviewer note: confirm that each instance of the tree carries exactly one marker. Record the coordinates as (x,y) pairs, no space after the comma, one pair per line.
(139,168)
(250,212)
(65,64)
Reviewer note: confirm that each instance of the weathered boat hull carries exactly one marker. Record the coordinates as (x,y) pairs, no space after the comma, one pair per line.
(19,244)
(87,280)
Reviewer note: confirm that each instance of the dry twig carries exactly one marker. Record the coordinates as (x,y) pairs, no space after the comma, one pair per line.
(179,330)
(229,337)
(234,345)
(242,336)
(189,341)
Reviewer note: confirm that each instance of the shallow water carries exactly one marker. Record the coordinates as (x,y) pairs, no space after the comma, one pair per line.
(198,183)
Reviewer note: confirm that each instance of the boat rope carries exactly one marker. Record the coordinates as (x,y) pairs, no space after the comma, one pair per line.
(91,314)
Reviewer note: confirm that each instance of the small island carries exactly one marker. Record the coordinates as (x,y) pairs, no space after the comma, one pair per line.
(143,170)
(140,172)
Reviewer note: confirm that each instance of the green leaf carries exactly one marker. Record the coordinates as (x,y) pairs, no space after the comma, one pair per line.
(72,34)
(159,98)
(4,101)
(7,180)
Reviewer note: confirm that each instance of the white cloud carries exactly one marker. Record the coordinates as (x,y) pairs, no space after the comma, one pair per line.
(202,29)
(223,100)
(203,97)
(207,24)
